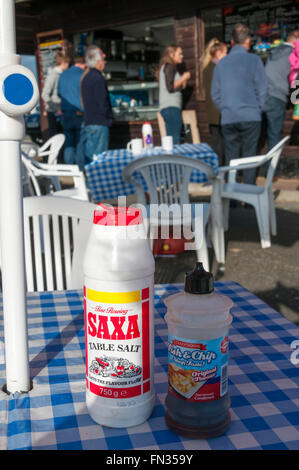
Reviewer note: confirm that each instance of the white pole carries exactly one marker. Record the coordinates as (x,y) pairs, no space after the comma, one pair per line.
(7,27)
(18,94)
(13,276)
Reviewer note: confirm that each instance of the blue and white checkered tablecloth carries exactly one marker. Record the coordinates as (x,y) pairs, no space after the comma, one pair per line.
(104,175)
(263,382)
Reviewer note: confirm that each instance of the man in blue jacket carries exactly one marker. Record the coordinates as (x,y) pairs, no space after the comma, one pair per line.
(239,89)
(98,116)
(72,112)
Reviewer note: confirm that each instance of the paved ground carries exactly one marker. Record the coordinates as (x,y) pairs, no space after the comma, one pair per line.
(272,273)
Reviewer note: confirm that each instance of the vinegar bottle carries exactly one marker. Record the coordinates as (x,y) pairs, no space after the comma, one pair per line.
(119,332)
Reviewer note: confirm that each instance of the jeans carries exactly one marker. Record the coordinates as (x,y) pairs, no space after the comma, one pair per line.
(72,124)
(241,140)
(94,139)
(275,113)
(173,120)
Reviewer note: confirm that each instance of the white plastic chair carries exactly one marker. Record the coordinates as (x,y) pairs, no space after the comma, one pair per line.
(260,197)
(49,149)
(55,234)
(53,173)
(167,178)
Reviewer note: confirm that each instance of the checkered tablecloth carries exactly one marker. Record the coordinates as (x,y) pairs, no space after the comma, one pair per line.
(104,175)
(263,382)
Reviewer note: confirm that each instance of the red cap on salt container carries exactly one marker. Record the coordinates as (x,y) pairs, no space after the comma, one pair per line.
(117,216)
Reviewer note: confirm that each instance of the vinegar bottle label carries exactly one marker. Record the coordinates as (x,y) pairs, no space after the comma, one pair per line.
(117,342)
(197,369)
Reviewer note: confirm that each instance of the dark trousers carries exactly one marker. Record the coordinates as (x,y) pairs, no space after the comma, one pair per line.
(274,110)
(72,123)
(54,126)
(217,142)
(173,121)
(241,140)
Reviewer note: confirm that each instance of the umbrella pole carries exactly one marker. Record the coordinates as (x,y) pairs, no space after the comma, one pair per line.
(18,95)
(13,274)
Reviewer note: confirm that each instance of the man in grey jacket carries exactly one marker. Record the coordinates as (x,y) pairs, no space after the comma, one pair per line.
(239,89)
(277,70)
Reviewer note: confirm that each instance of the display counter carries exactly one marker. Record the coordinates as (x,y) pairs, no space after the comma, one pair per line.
(134,101)
(138,113)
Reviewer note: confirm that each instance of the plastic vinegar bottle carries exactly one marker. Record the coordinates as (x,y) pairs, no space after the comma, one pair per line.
(198,319)
(119,329)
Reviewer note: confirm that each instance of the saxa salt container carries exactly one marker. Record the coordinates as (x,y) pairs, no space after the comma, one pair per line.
(119,330)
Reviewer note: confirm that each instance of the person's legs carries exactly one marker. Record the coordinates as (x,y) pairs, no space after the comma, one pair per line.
(68,123)
(52,124)
(79,137)
(93,140)
(102,143)
(250,134)
(275,113)
(173,121)
(217,142)
(232,142)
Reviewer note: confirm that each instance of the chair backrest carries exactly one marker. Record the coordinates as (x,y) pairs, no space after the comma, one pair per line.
(56,230)
(161,124)
(274,155)
(188,117)
(28,188)
(29,168)
(166,177)
(51,148)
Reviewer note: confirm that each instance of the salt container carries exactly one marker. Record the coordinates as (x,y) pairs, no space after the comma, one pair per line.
(119,331)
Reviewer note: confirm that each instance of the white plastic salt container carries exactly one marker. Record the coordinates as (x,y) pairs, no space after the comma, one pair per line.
(119,329)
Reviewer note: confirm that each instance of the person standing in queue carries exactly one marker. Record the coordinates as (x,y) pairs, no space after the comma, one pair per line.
(72,113)
(50,93)
(214,52)
(239,90)
(171,83)
(97,110)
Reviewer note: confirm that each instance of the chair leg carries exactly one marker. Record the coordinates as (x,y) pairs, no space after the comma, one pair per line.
(262,215)
(217,227)
(217,235)
(202,253)
(273,223)
(225,205)
(151,235)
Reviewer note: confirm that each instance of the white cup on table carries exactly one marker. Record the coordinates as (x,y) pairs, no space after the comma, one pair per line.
(135,146)
(167,143)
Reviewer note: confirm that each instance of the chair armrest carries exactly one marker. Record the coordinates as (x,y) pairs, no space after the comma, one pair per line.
(239,164)
(43,154)
(54,172)
(243,163)
(255,161)
(47,167)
